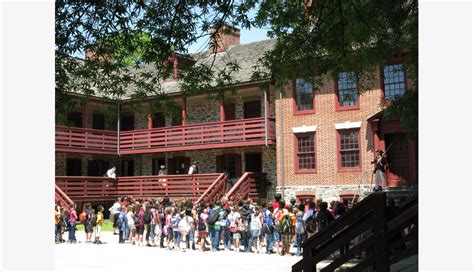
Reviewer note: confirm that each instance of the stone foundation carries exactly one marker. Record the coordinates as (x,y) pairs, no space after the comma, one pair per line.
(326,193)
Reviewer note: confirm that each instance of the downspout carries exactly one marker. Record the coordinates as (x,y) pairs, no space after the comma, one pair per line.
(282,149)
(266,117)
(118,129)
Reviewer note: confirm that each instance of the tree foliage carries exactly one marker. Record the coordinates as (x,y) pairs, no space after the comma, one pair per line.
(313,38)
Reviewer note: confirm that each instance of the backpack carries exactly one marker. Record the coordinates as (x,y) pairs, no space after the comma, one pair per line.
(147,217)
(285,225)
(212,219)
(175,221)
(201,224)
(183,226)
(254,224)
(93,219)
(82,217)
(136,219)
(310,225)
(299,227)
(268,227)
(323,221)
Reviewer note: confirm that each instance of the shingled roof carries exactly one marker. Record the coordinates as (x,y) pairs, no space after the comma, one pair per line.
(245,55)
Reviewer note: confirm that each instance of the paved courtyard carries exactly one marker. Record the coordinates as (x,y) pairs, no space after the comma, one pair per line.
(122,257)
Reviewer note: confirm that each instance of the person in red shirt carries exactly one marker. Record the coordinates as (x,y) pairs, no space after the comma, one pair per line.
(275,204)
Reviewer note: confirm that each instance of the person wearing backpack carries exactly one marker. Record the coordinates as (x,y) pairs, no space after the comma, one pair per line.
(99,223)
(202,227)
(324,217)
(234,222)
(285,220)
(225,230)
(268,229)
(309,219)
(130,231)
(147,218)
(72,224)
(175,223)
(214,225)
(139,224)
(185,228)
(300,229)
(122,224)
(255,229)
(276,224)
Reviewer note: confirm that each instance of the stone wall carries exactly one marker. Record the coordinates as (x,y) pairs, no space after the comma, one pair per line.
(326,193)
(202,110)
(60,164)
(109,112)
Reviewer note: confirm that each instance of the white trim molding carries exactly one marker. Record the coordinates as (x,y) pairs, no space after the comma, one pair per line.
(304,129)
(348,125)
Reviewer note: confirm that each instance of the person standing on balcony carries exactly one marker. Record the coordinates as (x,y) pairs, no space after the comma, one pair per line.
(162,172)
(111,173)
(380,168)
(193,169)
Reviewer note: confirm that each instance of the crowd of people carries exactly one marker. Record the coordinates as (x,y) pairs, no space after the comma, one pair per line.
(270,228)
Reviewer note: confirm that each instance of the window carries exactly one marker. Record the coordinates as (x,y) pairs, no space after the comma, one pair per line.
(158,120)
(229,111)
(127,123)
(98,121)
(349,149)
(394,81)
(304,95)
(128,168)
(347,90)
(252,109)
(73,167)
(305,152)
(75,119)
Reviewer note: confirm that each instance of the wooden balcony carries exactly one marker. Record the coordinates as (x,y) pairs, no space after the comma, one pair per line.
(235,133)
(83,188)
(72,139)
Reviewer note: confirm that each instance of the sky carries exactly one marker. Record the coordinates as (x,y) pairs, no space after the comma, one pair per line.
(246,36)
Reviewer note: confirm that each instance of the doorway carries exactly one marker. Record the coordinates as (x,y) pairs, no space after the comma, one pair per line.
(252,109)
(128,168)
(253,162)
(156,164)
(178,165)
(73,167)
(398,159)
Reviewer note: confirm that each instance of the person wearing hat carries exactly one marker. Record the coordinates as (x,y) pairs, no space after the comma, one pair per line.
(381,163)
(162,172)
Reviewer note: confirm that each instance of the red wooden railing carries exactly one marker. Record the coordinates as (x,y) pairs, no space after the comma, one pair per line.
(61,198)
(182,186)
(102,188)
(245,130)
(251,185)
(241,188)
(215,191)
(86,188)
(85,138)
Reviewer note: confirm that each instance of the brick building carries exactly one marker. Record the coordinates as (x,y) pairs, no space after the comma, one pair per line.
(292,136)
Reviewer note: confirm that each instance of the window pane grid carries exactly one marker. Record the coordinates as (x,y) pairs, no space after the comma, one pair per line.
(349,148)
(347,89)
(394,81)
(305,152)
(304,95)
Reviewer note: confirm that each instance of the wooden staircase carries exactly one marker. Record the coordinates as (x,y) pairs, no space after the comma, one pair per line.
(250,185)
(61,198)
(377,238)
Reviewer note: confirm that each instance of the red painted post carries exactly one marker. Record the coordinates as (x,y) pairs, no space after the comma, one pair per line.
(184,111)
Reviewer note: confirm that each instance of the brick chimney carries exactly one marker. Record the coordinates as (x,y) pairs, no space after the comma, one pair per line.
(226,37)
(92,55)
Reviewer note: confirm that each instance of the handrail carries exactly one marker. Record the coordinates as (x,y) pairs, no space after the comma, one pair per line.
(215,185)
(103,131)
(378,236)
(63,196)
(243,180)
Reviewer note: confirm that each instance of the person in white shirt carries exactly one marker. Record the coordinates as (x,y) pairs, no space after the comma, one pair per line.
(193,169)
(114,213)
(111,173)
